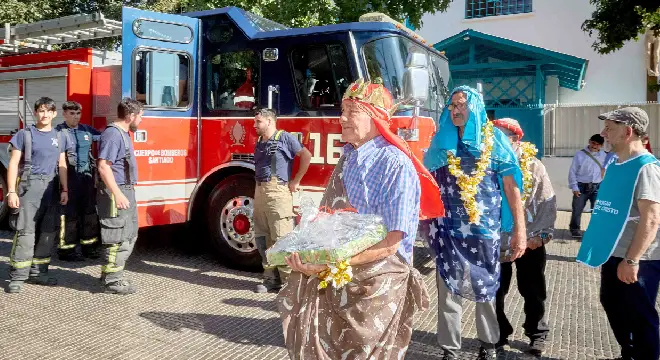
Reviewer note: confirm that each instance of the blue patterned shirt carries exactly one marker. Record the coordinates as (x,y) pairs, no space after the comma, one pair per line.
(380,179)
(468,255)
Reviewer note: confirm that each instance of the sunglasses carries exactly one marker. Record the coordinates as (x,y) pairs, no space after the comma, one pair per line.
(460,107)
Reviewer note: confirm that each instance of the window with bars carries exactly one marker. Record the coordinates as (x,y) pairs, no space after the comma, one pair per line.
(483,8)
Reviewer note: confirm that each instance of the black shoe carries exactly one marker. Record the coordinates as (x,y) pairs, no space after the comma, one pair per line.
(576,234)
(71,257)
(448,356)
(502,343)
(44,280)
(487,354)
(536,346)
(92,254)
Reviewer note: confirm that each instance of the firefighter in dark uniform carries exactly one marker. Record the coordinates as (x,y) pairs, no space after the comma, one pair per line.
(273,201)
(35,196)
(79,224)
(115,197)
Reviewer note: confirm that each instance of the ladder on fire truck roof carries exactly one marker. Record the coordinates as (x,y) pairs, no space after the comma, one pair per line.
(43,34)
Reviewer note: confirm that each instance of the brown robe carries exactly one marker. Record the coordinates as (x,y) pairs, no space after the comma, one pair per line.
(369,318)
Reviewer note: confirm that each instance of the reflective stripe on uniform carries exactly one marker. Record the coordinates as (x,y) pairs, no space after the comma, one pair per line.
(63,245)
(12,262)
(111,267)
(41,261)
(88,241)
(113,206)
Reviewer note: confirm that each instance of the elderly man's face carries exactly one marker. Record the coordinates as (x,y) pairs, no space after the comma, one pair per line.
(615,133)
(459,109)
(356,124)
(515,141)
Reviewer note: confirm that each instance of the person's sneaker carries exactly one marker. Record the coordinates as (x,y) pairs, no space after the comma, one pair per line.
(264,288)
(44,280)
(15,286)
(121,287)
(448,356)
(487,354)
(536,347)
(71,257)
(576,234)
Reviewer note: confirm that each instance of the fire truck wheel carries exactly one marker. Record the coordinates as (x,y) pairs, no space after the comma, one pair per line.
(230,223)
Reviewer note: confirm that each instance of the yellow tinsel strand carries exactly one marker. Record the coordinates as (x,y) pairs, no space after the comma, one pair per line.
(338,275)
(469,185)
(528,151)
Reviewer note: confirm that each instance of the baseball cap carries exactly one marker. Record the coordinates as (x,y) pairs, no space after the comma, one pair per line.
(631,116)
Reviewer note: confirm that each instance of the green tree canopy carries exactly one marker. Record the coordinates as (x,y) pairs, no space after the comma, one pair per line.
(293,13)
(617,21)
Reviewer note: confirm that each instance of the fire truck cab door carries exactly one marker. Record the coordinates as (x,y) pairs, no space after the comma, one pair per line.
(159,69)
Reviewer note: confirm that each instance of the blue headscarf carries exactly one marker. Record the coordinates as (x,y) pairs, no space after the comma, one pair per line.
(446,139)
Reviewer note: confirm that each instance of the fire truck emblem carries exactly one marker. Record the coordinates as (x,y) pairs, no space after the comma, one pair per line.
(237,134)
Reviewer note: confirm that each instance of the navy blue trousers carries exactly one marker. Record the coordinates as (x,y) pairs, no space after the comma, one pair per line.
(630,309)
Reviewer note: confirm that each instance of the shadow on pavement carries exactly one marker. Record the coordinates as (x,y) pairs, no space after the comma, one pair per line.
(64,272)
(268,305)
(469,348)
(239,330)
(171,252)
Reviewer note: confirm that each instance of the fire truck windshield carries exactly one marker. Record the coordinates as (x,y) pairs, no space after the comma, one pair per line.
(386,62)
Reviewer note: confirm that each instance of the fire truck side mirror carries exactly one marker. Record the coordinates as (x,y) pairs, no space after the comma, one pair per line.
(416,78)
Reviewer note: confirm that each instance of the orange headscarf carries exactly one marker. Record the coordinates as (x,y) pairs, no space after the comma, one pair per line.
(376,100)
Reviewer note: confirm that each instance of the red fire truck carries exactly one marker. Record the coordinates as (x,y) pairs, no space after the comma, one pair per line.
(200,76)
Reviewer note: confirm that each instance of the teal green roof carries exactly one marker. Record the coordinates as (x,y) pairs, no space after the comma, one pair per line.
(474,54)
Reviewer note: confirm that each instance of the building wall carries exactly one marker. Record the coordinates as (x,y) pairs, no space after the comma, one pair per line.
(556,25)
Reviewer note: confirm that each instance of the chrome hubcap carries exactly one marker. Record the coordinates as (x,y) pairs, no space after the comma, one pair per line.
(237,223)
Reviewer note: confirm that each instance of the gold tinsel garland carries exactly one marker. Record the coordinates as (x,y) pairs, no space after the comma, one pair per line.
(528,152)
(337,275)
(469,185)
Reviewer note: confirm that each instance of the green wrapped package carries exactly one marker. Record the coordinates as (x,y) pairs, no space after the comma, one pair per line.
(351,234)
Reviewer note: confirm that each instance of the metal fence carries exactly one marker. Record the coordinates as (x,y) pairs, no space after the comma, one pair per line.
(568,127)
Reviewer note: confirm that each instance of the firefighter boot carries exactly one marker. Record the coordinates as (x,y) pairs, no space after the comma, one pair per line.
(15,286)
(91,251)
(42,279)
(121,287)
(70,255)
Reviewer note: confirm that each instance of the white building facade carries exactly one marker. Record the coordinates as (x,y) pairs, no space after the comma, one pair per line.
(619,77)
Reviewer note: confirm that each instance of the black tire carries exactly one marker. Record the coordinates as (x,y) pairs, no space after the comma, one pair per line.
(229,197)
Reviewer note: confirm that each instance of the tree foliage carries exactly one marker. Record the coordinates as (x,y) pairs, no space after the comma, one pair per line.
(292,13)
(617,21)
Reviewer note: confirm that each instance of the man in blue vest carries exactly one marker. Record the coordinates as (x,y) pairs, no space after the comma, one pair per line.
(273,202)
(623,236)
(80,224)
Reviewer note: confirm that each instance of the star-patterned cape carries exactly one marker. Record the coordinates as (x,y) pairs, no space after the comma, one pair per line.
(467,255)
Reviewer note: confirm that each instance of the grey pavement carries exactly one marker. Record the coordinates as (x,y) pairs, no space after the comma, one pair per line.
(188,306)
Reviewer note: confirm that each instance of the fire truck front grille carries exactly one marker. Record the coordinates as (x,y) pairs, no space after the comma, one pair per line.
(243,157)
